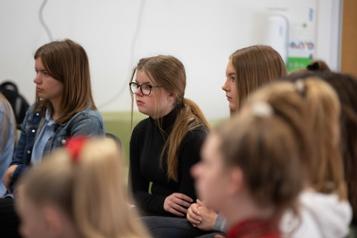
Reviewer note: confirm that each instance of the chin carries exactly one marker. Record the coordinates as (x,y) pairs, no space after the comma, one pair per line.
(143,111)
(232,108)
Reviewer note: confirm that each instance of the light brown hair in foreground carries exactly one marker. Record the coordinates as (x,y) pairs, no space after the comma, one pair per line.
(90,190)
(258,140)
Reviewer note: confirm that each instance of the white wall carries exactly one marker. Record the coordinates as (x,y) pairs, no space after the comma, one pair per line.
(202,33)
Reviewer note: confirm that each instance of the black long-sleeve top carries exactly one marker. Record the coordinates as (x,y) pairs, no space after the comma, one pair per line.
(146,144)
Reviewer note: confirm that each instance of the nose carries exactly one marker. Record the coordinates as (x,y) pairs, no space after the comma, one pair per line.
(225,86)
(138,92)
(195,170)
(37,79)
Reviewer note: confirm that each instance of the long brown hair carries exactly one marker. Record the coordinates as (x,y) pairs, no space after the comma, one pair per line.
(345,86)
(289,106)
(323,163)
(169,73)
(324,110)
(67,62)
(255,66)
(88,187)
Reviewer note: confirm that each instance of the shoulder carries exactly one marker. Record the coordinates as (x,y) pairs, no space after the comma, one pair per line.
(197,134)
(86,122)
(87,115)
(32,115)
(137,135)
(31,110)
(326,212)
(141,126)
(325,203)
(193,140)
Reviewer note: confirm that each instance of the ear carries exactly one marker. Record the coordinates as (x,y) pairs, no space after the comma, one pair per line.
(236,181)
(172,97)
(53,218)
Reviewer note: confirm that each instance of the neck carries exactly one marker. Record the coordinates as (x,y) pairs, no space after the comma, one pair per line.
(56,104)
(66,227)
(232,111)
(239,209)
(70,232)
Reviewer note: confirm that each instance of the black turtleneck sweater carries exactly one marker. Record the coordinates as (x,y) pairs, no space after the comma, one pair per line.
(146,144)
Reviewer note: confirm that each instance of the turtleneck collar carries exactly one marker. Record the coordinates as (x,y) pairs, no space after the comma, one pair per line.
(166,122)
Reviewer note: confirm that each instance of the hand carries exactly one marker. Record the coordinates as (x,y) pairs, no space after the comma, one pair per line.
(8,175)
(207,217)
(193,215)
(219,236)
(177,204)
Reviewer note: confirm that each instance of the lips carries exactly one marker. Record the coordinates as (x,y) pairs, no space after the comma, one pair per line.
(139,103)
(229,98)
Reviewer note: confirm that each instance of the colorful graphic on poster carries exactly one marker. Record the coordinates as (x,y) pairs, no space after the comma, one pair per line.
(302,38)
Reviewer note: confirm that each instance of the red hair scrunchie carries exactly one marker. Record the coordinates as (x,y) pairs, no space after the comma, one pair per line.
(74,146)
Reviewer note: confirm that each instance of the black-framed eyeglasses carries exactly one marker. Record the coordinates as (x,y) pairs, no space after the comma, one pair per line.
(145,88)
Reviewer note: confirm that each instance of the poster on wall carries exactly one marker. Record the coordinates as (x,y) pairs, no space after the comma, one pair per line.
(302,37)
(298,48)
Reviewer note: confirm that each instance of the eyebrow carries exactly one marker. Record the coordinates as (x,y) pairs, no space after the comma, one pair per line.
(41,70)
(147,82)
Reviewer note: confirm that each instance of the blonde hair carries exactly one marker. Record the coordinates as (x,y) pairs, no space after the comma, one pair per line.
(324,110)
(90,190)
(258,143)
(255,66)
(323,160)
(169,73)
(8,123)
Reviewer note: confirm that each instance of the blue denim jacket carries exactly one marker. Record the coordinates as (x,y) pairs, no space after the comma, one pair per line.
(88,122)
(7,142)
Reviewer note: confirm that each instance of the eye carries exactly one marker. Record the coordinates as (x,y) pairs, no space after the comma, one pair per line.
(146,87)
(43,72)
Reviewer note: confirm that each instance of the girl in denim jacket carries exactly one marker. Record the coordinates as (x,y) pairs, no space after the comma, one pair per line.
(64,106)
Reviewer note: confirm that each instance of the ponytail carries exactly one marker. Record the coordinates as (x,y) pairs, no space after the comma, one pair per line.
(190,117)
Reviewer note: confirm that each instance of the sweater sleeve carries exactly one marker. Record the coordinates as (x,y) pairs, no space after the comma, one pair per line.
(190,154)
(147,202)
(220,224)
